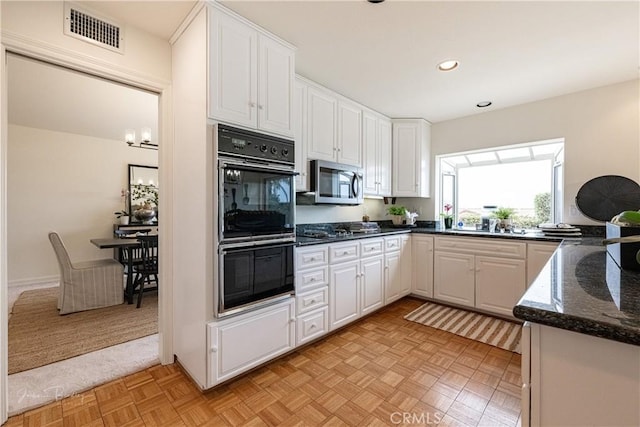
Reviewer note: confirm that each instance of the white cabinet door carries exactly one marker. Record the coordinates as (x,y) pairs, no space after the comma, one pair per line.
(384,157)
(538,254)
(344,293)
(322,116)
(275,88)
(411,158)
(377,152)
(405,265)
(422,256)
(392,277)
(372,283)
(233,70)
(299,134)
(349,148)
(454,278)
(500,283)
(236,345)
(371,153)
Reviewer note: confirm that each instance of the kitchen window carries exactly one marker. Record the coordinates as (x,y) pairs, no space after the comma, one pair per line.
(525,177)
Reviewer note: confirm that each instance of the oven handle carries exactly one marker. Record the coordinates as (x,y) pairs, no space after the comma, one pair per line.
(250,246)
(255,166)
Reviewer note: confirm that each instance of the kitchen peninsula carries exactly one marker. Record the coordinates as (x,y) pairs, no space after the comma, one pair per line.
(581,340)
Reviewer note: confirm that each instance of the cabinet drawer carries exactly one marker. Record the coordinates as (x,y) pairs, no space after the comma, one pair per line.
(315,256)
(309,301)
(310,279)
(392,243)
(500,248)
(344,252)
(371,247)
(312,325)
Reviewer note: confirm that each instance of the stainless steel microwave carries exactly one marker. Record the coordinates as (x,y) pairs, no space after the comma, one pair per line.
(336,183)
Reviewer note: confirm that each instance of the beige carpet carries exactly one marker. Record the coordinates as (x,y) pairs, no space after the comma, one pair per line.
(489,330)
(38,335)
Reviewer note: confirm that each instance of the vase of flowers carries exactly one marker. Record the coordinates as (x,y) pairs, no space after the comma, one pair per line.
(447,216)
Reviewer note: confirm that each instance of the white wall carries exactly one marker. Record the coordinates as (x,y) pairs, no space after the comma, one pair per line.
(601,128)
(147,55)
(375,208)
(67,183)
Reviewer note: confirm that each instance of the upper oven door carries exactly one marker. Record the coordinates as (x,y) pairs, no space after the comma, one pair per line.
(255,201)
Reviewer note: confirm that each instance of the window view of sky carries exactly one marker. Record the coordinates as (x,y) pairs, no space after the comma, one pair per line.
(511,185)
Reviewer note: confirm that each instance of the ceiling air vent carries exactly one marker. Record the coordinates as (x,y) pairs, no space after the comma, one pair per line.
(88,27)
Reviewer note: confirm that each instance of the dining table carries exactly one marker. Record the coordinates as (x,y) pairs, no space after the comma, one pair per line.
(128,244)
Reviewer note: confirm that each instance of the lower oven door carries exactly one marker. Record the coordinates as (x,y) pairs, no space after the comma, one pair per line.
(253,276)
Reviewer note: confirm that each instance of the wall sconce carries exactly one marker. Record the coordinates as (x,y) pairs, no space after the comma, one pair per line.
(130,139)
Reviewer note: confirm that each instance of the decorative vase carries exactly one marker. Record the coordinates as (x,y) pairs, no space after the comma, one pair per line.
(124,220)
(448,223)
(145,215)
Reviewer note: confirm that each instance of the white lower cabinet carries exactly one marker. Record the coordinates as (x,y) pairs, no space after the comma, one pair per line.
(344,293)
(499,284)
(422,265)
(405,265)
(312,293)
(312,325)
(573,379)
(488,275)
(240,343)
(454,278)
(391,277)
(372,283)
(397,266)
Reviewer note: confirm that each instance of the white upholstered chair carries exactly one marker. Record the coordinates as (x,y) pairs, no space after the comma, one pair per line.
(87,285)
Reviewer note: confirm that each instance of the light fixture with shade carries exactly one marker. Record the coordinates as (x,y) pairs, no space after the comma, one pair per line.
(130,136)
(130,139)
(448,65)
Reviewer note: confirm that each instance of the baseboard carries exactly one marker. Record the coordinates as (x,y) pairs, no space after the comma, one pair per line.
(54,280)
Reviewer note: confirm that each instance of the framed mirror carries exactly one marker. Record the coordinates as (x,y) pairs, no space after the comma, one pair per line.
(143,189)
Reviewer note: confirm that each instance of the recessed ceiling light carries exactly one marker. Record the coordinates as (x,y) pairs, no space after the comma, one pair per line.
(375,1)
(448,65)
(483,104)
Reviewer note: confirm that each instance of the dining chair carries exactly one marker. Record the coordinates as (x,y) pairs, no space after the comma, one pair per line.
(147,270)
(89,284)
(123,253)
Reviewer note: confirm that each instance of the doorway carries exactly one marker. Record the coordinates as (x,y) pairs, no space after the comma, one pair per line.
(67,163)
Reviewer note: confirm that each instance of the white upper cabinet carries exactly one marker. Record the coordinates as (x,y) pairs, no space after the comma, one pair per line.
(251,76)
(349,147)
(334,127)
(376,145)
(411,157)
(275,88)
(322,126)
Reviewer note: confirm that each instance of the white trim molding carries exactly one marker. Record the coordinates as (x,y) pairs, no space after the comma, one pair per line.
(37,49)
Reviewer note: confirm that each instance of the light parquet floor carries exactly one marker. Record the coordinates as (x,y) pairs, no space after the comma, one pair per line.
(380,371)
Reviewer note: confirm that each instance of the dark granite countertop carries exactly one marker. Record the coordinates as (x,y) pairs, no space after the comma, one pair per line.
(306,241)
(582,289)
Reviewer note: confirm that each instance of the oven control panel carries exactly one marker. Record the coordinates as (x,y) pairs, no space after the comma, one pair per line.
(239,142)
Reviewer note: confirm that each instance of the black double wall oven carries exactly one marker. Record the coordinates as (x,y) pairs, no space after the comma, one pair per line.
(256,220)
